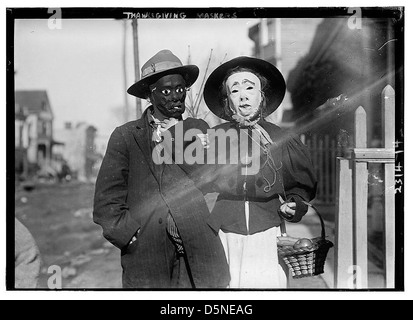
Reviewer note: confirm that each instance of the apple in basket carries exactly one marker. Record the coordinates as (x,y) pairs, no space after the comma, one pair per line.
(303,243)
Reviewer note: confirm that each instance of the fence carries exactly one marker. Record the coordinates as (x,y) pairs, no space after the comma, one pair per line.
(351,228)
(323,150)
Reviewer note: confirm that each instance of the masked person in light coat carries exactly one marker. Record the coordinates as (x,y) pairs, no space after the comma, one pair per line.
(266,176)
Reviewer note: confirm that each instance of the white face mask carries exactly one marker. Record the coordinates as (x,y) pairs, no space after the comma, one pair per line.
(244,93)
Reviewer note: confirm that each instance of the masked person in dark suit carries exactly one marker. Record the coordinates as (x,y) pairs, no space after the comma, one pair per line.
(150,209)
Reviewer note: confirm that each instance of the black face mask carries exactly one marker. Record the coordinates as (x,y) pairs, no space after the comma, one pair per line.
(168,95)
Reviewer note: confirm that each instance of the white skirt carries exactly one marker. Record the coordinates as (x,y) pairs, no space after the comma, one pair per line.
(253,259)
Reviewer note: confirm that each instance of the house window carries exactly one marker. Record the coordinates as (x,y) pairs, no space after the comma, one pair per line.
(48,128)
(42,127)
(17,134)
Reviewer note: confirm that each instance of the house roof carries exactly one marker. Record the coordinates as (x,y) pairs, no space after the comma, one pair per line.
(36,101)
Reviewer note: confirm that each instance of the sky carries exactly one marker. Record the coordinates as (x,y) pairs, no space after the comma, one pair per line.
(80,65)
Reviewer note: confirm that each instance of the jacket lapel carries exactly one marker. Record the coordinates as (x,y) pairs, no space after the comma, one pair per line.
(141,137)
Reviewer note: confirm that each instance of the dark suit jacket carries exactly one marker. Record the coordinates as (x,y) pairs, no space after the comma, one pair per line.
(132,194)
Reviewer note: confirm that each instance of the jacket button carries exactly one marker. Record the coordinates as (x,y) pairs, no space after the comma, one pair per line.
(160,220)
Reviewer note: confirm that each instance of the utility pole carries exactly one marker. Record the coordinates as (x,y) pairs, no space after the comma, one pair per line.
(125,78)
(263,37)
(136,59)
(278,63)
(278,52)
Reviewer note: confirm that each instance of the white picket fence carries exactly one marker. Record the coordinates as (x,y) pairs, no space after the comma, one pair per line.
(351,228)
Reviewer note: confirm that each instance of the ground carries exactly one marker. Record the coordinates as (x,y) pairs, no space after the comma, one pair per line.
(59,216)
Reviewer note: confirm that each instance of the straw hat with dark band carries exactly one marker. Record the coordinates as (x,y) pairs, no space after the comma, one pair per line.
(161,64)
(274,92)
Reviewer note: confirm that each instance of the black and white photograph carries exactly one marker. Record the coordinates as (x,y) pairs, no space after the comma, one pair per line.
(205,149)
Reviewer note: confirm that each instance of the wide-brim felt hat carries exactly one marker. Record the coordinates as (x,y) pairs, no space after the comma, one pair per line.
(274,91)
(161,64)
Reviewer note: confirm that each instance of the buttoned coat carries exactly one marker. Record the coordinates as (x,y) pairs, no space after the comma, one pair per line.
(132,194)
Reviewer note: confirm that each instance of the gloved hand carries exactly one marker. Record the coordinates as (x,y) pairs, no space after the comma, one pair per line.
(287,210)
(293,210)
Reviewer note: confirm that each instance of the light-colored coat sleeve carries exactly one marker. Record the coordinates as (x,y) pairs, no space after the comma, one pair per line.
(27,258)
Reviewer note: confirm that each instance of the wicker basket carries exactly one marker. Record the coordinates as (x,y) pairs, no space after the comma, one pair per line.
(305,262)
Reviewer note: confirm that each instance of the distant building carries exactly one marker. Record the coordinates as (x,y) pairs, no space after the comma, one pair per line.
(323,59)
(101,143)
(21,140)
(358,63)
(283,42)
(79,149)
(33,130)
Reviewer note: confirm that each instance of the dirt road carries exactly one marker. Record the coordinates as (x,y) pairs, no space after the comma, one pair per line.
(60,219)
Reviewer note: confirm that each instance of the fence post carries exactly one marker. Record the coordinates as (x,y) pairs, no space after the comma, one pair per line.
(388,127)
(360,193)
(343,249)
